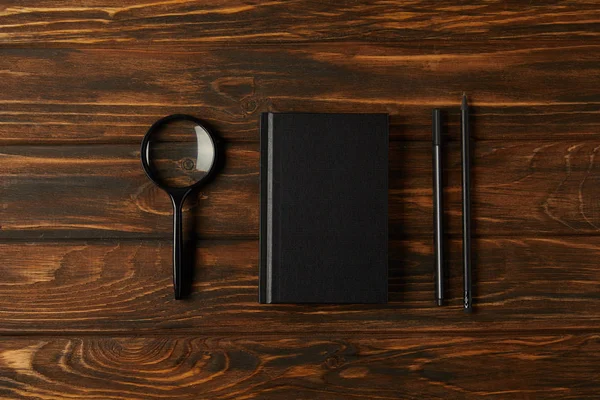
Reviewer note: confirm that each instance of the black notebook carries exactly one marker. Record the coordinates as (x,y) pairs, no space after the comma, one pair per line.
(323,208)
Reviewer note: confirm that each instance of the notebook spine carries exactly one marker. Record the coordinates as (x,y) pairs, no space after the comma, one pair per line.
(264,294)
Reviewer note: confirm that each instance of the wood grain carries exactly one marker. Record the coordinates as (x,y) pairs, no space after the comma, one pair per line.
(322,367)
(124,22)
(522,284)
(100,191)
(86,304)
(24,123)
(518,89)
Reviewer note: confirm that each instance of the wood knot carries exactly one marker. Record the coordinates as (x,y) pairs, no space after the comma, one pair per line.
(188,164)
(334,362)
(249,105)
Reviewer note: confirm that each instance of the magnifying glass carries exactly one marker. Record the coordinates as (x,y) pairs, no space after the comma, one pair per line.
(178,154)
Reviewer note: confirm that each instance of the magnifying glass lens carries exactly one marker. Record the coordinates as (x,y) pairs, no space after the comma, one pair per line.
(180,153)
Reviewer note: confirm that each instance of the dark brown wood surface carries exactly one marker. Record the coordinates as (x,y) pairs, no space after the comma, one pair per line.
(523,284)
(300,367)
(86,305)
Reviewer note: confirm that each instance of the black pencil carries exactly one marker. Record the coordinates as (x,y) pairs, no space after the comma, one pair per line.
(466,203)
(438,226)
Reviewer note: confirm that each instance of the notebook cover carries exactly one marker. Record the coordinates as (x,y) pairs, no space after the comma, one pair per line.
(324,208)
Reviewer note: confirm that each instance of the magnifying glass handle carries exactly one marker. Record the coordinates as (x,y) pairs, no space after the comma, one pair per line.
(177,247)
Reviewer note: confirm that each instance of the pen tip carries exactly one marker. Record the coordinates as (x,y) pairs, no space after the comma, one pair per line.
(464,100)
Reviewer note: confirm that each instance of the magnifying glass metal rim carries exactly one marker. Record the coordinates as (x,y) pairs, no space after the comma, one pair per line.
(144,153)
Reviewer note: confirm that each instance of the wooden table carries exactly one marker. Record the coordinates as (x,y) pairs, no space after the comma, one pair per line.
(86,301)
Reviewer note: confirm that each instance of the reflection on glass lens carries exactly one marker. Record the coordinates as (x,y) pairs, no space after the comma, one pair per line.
(180,153)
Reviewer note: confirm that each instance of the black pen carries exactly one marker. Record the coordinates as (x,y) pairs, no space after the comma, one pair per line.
(438,210)
(466,204)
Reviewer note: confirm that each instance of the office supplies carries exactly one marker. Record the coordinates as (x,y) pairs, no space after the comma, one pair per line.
(438,209)
(466,204)
(324,208)
(178,154)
